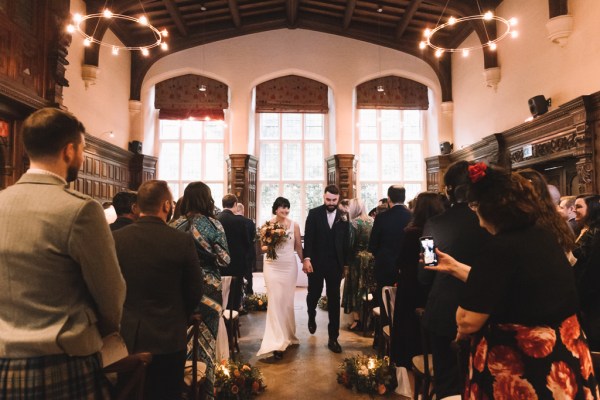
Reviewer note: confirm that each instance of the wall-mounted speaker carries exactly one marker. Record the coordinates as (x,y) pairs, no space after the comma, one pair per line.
(135,146)
(538,105)
(446,148)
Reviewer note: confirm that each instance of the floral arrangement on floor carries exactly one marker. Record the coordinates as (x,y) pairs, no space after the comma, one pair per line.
(237,380)
(256,302)
(322,303)
(271,235)
(367,374)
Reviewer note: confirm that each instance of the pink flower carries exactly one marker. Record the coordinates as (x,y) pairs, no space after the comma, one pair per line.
(561,381)
(511,387)
(504,360)
(536,342)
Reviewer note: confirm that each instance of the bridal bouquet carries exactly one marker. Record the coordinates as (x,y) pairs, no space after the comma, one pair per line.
(272,235)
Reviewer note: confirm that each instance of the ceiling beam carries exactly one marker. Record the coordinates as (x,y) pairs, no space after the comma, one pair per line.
(292,11)
(176,15)
(349,12)
(235,13)
(408,15)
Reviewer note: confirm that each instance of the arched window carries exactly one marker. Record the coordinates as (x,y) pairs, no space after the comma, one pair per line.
(390,137)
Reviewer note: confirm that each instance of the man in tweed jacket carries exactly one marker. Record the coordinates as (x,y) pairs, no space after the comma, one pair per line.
(61,288)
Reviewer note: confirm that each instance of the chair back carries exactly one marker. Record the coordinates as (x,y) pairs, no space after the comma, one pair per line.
(424,341)
(596,362)
(388,293)
(192,336)
(131,372)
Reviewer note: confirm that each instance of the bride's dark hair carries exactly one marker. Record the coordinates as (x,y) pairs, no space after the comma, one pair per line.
(280,202)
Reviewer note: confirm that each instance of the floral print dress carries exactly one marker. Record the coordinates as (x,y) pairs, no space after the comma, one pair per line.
(213,252)
(360,275)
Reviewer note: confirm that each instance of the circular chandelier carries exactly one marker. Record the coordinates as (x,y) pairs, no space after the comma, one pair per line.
(159,36)
(492,44)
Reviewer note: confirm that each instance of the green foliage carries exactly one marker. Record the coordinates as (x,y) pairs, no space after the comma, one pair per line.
(237,380)
(256,302)
(366,374)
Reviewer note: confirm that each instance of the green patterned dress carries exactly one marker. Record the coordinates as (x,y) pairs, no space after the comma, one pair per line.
(360,279)
(213,252)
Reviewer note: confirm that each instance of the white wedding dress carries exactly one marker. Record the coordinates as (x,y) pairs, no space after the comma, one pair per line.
(280,277)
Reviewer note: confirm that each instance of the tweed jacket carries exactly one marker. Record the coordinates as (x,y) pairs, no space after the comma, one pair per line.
(60,282)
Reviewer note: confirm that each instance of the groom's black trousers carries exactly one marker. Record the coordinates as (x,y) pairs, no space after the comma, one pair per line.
(332,278)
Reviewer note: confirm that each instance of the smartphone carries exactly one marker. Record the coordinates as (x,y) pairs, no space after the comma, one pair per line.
(428,247)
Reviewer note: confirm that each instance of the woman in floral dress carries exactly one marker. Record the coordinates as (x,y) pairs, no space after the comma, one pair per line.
(359,276)
(197,210)
(519,306)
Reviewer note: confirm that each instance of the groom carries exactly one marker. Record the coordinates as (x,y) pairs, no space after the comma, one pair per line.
(326,240)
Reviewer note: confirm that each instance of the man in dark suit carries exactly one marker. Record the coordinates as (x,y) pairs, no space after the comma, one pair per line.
(251,256)
(239,242)
(126,209)
(456,232)
(326,238)
(386,237)
(164,285)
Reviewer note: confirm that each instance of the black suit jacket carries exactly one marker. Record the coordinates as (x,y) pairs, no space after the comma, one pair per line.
(315,239)
(456,232)
(239,241)
(385,242)
(120,222)
(164,285)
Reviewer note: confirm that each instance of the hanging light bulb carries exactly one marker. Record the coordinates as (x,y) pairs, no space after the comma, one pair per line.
(164,46)
(115,51)
(143,20)
(488,16)
(202,88)
(145,51)
(70,28)
(465,52)
(427,33)
(513,21)
(380,88)
(164,32)
(439,52)
(514,34)
(451,21)
(86,42)
(492,46)
(77,17)
(107,13)
(422,45)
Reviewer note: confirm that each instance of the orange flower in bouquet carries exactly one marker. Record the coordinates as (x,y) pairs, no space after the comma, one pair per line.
(272,235)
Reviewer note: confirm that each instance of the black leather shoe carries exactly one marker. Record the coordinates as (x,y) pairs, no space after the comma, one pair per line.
(334,346)
(278,355)
(312,324)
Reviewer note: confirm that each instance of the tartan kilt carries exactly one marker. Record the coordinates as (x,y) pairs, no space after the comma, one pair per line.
(54,377)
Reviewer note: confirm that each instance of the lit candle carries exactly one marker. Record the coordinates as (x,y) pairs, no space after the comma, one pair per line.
(371,364)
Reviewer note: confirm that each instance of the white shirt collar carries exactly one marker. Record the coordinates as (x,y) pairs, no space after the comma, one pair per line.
(45,172)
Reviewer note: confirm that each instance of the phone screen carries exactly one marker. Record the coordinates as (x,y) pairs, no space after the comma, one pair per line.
(428,246)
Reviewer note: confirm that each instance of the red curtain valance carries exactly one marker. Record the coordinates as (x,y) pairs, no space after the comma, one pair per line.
(292,94)
(399,94)
(180,96)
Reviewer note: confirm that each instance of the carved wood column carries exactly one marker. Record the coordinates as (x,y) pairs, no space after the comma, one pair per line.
(142,168)
(436,168)
(241,173)
(341,171)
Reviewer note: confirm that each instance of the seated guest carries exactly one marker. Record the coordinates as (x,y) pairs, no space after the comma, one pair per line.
(519,307)
(126,208)
(60,288)
(164,285)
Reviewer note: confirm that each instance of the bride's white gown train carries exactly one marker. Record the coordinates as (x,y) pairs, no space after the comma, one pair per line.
(280,277)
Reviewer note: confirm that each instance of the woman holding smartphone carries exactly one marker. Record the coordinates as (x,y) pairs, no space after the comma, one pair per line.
(519,307)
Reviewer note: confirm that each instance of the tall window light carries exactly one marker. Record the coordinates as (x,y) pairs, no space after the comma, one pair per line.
(192,151)
(291,162)
(390,153)
(390,136)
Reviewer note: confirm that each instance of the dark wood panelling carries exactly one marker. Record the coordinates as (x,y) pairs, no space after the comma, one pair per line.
(241,172)
(341,171)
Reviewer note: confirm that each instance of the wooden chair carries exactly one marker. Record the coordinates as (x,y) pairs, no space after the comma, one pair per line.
(198,369)
(367,311)
(388,293)
(596,362)
(232,317)
(131,372)
(422,365)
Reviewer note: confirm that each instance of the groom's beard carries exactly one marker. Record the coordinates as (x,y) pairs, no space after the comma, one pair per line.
(72,172)
(331,208)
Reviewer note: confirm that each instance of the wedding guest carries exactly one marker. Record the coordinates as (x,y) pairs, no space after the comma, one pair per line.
(519,307)
(251,255)
(359,279)
(153,255)
(61,288)
(197,218)
(126,209)
(566,208)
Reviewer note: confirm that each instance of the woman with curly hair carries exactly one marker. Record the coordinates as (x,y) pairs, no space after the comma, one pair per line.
(519,307)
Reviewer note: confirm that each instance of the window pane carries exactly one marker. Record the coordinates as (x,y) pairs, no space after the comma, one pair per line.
(314,196)
(412,190)
(291,191)
(168,166)
(191,168)
(269,126)
(291,160)
(367,124)
(390,161)
(191,130)
(215,163)
(216,190)
(368,161)
(314,126)
(314,162)
(169,130)
(214,130)
(268,194)
(412,125)
(413,162)
(291,126)
(269,161)
(174,186)
(390,124)
(369,194)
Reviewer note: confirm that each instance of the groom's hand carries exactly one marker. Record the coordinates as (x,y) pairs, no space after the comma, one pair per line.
(307,266)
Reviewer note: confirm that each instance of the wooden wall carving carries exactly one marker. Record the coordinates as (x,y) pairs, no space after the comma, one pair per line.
(241,173)
(341,171)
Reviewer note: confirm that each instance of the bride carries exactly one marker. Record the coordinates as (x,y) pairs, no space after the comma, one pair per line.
(280,277)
